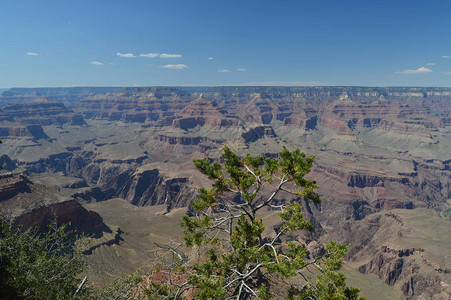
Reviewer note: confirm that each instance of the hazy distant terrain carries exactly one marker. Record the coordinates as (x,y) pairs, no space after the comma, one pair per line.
(382,160)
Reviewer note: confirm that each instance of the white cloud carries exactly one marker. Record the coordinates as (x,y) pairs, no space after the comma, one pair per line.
(446,56)
(447,73)
(96,63)
(210,58)
(149,55)
(32,53)
(241,69)
(125,54)
(224,71)
(165,55)
(421,70)
(177,66)
(431,64)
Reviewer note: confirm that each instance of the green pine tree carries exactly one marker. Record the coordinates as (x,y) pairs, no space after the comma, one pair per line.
(239,262)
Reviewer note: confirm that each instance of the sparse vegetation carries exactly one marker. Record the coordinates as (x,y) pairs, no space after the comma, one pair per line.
(238,260)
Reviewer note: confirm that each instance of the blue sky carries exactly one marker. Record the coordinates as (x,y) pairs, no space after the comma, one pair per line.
(209,42)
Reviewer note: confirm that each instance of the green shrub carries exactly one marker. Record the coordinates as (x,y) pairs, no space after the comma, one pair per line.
(39,264)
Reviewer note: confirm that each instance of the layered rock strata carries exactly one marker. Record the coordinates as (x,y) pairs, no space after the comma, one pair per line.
(404,259)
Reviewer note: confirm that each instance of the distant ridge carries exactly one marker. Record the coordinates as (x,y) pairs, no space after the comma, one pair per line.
(71,95)
(68,95)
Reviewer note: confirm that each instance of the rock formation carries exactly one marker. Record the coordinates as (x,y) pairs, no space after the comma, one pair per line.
(376,150)
(29,205)
(134,104)
(202,112)
(41,112)
(392,246)
(12,184)
(149,186)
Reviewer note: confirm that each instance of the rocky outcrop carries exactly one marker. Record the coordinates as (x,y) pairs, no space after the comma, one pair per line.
(28,204)
(419,286)
(386,267)
(37,132)
(189,144)
(17,130)
(307,124)
(260,110)
(405,128)
(94,194)
(201,112)
(405,268)
(151,187)
(54,163)
(389,264)
(134,117)
(178,144)
(258,132)
(340,127)
(357,194)
(185,140)
(393,268)
(142,187)
(12,184)
(365,180)
(66,212)
(295,121)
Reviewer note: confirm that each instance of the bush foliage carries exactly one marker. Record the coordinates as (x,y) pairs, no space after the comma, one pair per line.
(39,265)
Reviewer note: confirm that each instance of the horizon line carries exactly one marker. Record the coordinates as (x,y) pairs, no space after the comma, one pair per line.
(216,86)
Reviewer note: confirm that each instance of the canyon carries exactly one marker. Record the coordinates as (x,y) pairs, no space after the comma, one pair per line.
(382,161)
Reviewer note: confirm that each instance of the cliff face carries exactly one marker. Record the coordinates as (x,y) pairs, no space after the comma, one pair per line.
(134,104)
(258,132)
(41,112)
(12,184)
(12,130)
(151,187)
(404,259)
(116,178)
(29,205)
(25,120)
(69,211)
(355,195)
(202,112)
